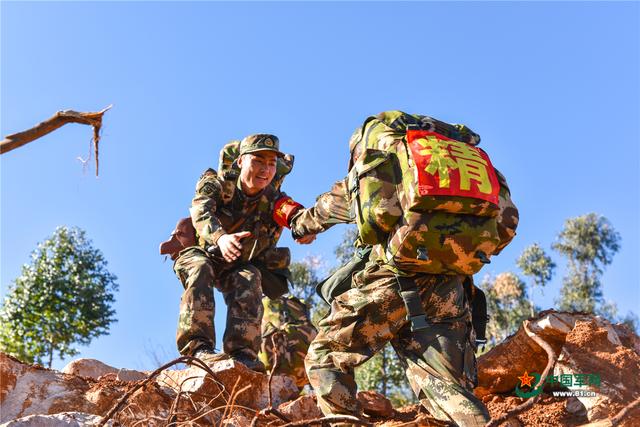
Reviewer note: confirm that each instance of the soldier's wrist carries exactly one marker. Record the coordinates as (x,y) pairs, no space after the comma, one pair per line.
(215,236)
(296,233)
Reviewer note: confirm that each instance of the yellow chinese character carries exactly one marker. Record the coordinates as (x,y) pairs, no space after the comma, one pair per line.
(465,151)
(472,167)
(472,170)
(440,162)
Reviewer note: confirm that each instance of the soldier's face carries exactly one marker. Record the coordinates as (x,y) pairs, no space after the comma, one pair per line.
(257,171)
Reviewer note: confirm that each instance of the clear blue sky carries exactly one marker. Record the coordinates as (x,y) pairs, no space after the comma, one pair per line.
(553,88)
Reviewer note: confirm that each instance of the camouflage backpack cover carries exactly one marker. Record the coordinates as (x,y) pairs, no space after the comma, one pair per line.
(427,196)
(286,320)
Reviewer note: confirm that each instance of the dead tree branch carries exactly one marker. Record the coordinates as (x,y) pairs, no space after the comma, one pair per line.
(59,119)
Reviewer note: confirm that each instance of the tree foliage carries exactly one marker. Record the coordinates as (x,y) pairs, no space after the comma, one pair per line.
(384,373)
(589,242)
(507,305)
(345,250)
(63,297)
(535,263)
(304,276)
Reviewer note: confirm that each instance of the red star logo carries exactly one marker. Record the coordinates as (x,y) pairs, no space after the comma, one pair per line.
(526,379)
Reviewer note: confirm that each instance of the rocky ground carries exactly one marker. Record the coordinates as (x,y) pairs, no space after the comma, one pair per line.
(224,393)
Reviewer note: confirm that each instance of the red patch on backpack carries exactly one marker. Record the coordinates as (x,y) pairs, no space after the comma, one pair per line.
(446,167)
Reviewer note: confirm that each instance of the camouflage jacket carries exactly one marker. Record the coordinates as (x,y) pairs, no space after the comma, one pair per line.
(332,207)
(262,215)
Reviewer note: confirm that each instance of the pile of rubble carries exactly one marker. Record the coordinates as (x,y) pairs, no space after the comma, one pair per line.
(223,392)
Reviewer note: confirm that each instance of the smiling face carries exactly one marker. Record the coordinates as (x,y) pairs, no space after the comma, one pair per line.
(257,170)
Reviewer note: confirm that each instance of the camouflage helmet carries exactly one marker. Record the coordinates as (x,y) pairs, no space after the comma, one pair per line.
(260,142)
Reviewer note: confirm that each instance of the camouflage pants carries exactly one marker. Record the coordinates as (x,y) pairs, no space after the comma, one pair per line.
(242,291)
(291,344)
(439,362)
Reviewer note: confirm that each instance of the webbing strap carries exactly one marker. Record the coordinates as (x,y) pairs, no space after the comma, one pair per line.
(411,297)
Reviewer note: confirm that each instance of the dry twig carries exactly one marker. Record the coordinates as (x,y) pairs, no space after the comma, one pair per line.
(59,119)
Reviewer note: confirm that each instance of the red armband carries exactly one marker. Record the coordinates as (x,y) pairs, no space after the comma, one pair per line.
(284,209)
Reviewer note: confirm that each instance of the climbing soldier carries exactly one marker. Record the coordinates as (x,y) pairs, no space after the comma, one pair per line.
(432,210)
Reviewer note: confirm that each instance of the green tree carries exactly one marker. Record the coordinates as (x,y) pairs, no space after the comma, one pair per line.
(589,242)
(535,263)
(304,276)
(63,297)
(384,373)
(507,305)
(345,250)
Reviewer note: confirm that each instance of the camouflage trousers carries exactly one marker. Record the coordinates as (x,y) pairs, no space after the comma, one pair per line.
(439,361)
(242,292)
(291,344)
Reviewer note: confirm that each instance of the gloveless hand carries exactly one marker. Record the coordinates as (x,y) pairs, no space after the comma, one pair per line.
(230,245)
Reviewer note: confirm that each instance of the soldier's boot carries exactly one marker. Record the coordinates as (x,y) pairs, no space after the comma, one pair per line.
(250,362)
(204,352)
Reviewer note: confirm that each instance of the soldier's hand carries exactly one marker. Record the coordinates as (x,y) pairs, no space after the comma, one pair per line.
(305,240)
(230,245)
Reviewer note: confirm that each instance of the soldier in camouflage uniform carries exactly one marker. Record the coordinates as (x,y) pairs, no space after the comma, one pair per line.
(234,253)
(286,324)
(439,361)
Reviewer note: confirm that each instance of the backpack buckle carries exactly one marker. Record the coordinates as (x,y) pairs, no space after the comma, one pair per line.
(482,257)
(418,322)
(421,253)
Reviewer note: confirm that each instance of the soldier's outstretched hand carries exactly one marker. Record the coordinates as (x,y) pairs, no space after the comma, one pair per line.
(230,245)
(305,240)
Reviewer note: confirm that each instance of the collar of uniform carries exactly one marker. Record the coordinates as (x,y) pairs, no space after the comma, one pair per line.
(244,196)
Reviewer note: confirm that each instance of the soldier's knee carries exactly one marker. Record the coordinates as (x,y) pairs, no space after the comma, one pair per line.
(195,270)
(249,280)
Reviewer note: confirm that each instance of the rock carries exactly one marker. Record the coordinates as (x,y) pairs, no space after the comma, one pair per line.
(249,388)
(594,348)
(236,420)
(627,337)
(33,390)
(499,368)
(95,369)
(375,404)
(303,408)
(64,419)
(31,395)
(130,375)
(574,406)
(91,368)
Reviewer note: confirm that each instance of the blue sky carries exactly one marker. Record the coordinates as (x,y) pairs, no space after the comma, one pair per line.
(553,89)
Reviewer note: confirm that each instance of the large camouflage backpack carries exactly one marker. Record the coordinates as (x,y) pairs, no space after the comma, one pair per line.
(229,170)
(286,324)
(427,196)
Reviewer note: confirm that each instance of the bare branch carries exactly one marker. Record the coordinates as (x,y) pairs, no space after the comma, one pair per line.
(59,119)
